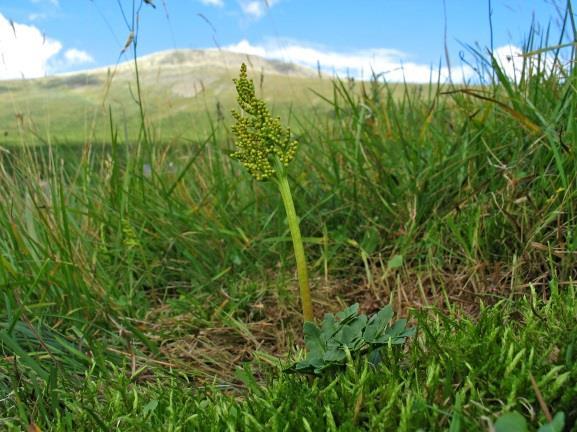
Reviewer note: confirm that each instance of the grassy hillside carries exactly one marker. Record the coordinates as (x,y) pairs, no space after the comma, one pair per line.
(152,287)
(182,91)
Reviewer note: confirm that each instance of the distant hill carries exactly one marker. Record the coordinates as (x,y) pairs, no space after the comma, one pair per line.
(183,90)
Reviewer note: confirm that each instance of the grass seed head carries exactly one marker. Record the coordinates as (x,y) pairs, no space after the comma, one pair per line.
(260,137)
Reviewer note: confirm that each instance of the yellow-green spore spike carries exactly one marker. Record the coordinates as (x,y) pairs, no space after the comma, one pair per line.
(264,147)
(260,137)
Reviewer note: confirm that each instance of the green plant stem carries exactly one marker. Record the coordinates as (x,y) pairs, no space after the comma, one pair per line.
(293,223)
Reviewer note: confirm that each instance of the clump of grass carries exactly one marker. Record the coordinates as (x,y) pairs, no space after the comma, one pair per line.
(265,148)
(459,374)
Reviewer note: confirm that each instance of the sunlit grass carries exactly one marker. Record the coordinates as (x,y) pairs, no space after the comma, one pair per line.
(133,287)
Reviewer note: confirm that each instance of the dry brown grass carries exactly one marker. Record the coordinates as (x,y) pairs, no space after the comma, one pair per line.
(211,351)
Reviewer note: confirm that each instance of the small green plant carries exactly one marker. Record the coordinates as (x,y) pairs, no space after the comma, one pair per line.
(515,422)
(347,335)
(265,148)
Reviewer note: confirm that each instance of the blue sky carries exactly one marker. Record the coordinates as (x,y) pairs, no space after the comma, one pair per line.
(401,38)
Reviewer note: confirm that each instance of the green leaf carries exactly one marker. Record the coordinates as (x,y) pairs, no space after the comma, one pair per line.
(556,425)
(347,331)
(396,334)
(398,328)
(377,324)
(313,340)
(375,357)
(511,422)
(352,333)
(335,355)
(349,313)
(395,262)
(348,337)
(329,327)
(310,365)
(303,367)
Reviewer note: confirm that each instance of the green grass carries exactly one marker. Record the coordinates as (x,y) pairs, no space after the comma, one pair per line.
(458,374)
(130,298)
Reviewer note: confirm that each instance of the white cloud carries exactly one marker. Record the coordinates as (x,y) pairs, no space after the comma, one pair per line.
(514,63)
(517,64)
(55,3)
(217,3)
(245,47)
(510,59)
(36,16)
(256,8)
(394,65)
(25,52)
(75,56)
